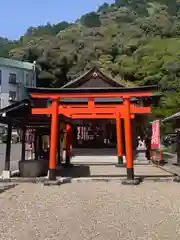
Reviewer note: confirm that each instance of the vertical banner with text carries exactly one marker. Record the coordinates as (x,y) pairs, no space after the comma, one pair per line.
(155,140)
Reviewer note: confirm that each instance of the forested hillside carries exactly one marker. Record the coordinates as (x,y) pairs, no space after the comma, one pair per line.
(137,41)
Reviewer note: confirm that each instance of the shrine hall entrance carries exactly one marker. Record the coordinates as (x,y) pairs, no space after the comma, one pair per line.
(95,133)
(94,141)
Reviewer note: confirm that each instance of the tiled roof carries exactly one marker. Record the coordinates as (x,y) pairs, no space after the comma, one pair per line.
(172,117)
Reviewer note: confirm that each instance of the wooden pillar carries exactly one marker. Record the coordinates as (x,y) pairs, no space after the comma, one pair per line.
(54,136)
(8,147)
(128,140)
(35,146)
(59,151)
(23,149)
(68,144)
(119,140)
(40,146)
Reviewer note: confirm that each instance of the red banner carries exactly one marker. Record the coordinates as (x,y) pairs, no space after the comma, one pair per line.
(155,140)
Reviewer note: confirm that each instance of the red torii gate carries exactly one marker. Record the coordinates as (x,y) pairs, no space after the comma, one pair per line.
(126,110)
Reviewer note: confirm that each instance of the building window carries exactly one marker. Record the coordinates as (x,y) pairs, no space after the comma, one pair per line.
(12,78)
(28,80)
(12,95)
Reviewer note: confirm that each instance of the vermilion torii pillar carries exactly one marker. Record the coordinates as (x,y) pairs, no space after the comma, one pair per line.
(54,139)
(128,142)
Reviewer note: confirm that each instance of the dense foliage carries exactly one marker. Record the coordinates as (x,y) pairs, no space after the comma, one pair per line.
(137,41)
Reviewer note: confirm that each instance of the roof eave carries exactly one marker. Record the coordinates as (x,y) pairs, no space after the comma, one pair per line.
(171,118)
(150,88)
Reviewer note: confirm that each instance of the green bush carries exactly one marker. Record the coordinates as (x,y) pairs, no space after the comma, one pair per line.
(14,138)
(4,138)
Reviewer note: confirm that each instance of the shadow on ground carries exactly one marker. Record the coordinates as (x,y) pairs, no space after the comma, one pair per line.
(94,152)
(7,187)
(83,171)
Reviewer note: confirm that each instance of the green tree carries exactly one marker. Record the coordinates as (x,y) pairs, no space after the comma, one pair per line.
(103,8)
(134,40)
(91,20)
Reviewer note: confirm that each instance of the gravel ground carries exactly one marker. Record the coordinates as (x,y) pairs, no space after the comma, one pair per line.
(91,210)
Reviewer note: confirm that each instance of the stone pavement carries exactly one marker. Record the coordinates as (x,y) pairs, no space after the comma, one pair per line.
(171,166)
(93,171)
(104,173)
(103,156)
(95,156)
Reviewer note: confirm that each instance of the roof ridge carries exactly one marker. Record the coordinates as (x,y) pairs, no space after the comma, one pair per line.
(93,69)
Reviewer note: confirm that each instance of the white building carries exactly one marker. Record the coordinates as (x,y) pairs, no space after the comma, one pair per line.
(14,77)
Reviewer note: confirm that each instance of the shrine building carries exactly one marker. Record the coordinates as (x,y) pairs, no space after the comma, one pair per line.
(96,110)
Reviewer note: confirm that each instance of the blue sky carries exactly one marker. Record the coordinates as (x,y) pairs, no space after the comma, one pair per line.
(18,15)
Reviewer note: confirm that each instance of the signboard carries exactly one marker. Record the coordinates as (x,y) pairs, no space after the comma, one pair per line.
(30,136)
(155,140)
